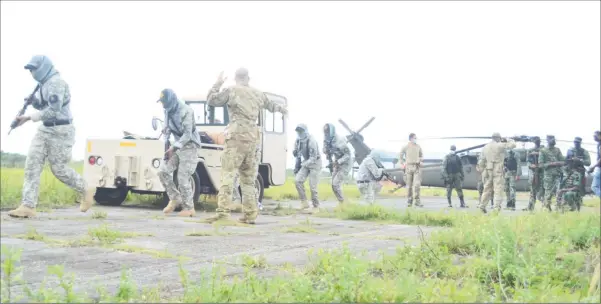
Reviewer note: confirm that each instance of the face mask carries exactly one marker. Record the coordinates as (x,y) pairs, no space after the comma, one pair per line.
(413,140)
(301,135)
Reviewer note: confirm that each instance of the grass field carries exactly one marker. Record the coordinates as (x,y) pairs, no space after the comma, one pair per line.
(541,257)
(55,194)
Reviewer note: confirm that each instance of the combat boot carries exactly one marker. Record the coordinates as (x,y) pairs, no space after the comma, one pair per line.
(462,202)
(88,201)
(187,213)
(22,212)
(305,205)
(450,204)
(248,219)
(418,203)
(410,202)
(217,217)
(170,207)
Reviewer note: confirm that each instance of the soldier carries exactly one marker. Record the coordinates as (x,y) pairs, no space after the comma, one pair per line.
(236,193)
(596,169)
(481,179)
(452,173)
(310,166)
(581,159)
(53,141)
(569,187)
(242,136)
(551,160)
(535,176)
(369,176)
(491,164)
(183,155)
(337,146)
(412,159)
(513,170)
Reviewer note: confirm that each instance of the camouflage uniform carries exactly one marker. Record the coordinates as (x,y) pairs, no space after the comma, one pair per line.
(412,158)
(535,176)
(569,188)
(548,156)
(481,186)
(582,158)
(513,169)
(53,141)
(311,166)
(369,176)
(236,193)
(179,121)
(452,174)
(343,159)
(491,164)
(242,136)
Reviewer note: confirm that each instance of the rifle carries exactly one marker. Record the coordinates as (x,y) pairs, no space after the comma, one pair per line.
(28,101)
(328,147)
(295,152)
(389,178)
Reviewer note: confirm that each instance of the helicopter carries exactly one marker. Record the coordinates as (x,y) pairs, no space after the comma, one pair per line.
(431,169)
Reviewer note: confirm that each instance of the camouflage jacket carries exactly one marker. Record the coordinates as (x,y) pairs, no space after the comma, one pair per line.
(309,151)
(243,104)
(549,155)
(182,125)
(53,103)
(338,147)
(369,171)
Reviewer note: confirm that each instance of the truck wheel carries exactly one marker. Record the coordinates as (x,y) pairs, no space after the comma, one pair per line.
(194,180)
(258,185)
(110,196)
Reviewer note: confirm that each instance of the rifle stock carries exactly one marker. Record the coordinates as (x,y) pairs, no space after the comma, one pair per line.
(26,104)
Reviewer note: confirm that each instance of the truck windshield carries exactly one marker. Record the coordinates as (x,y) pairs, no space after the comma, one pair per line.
(215,117)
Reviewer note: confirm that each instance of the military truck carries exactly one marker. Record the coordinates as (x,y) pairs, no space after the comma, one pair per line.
(130,164)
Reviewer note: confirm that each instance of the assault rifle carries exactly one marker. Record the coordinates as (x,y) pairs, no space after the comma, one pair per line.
(297,155)
(389,178)
(28,101)
(328,149)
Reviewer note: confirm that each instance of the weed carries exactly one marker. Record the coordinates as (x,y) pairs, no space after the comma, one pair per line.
(105,235)
(303,227)
(99,215)
(254,262)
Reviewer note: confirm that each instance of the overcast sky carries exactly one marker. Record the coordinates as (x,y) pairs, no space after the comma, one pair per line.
(433,68)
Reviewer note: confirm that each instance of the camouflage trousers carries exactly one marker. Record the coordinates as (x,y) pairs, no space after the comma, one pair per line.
(481,189)
(571,199)
(413,177)
(184,160)
(510,188)
(454,181)
(537,190)
(56,145)
(236,193)
(239,157)
(493,181)
(313,174)
(338,175)
(368,191)
(550,185)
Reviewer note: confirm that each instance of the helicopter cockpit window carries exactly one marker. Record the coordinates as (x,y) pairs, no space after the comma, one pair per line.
(208,116)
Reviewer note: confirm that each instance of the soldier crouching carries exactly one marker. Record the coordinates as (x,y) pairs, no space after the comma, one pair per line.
(369,176)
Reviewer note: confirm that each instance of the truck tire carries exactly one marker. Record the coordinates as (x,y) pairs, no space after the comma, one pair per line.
(110,196)
(195,190)
(259,186)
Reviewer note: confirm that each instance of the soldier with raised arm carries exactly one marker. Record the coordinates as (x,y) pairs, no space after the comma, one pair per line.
(535,176)
(242,136)
(491,164)
(337,146)
(452,174)
(310,167)
(53,140)
(412,159)
(183,155)
(551,160)
(513,170)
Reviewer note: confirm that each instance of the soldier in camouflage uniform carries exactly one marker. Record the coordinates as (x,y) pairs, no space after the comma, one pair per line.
(53,141)
(337,146)
(452,174)
(412,159)
(581,159)
(369,176)
(491,163)
(482,177)
(551,160)
(535,176)
(236,193)
(311,166)
(513,170)
(181,156)
(569,187)
(242,136)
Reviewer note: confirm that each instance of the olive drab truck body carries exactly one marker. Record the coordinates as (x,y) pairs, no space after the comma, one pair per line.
(130,164)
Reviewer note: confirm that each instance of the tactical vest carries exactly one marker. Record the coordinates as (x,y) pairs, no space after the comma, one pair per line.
(174,129)
(511,163)
(452,164)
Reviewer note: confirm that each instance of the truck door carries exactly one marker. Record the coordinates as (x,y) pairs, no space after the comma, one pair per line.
(275,140)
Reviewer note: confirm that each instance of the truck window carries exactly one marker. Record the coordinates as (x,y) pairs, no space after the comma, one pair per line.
(278,122)
(268,121)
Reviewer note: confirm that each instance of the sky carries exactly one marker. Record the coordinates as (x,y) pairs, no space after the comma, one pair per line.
(433,68)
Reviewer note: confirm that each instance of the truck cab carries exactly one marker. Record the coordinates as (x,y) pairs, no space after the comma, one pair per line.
(130,164)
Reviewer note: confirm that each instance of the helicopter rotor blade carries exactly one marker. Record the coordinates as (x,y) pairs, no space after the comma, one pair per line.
(470,148)
(345,126)
(366,124)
